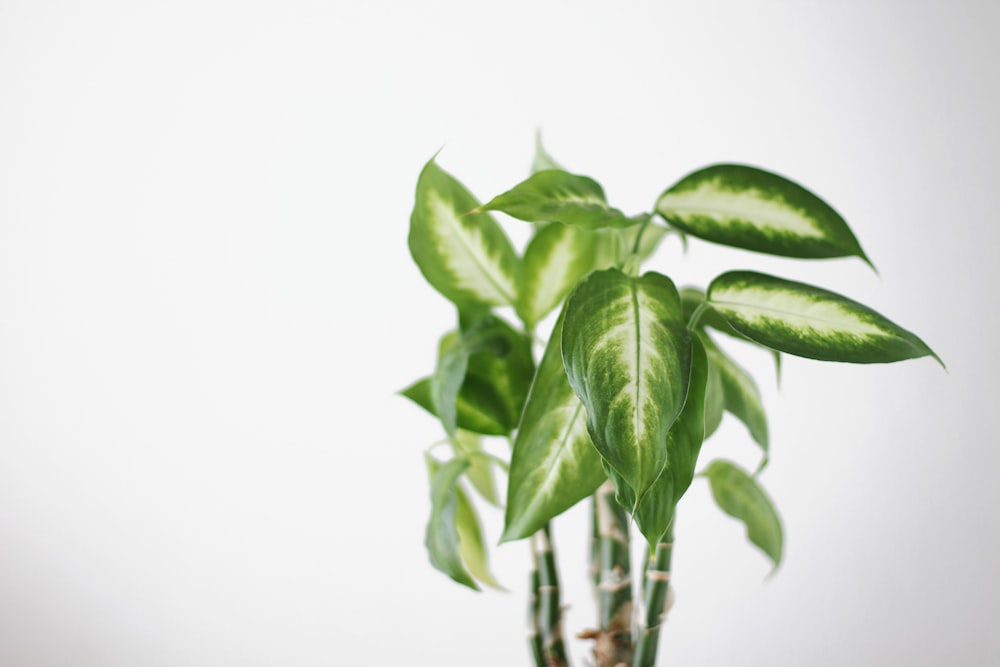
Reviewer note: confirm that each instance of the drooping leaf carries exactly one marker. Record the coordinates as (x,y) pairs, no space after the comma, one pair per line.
(466,257)
(739,496)
(627,354)
(746,207)
(554,261)
(809,321)
(742,398)
(554,464)
(441,537)
(480,470)
(470,541)
(656,509)
(475,411)
(554,195)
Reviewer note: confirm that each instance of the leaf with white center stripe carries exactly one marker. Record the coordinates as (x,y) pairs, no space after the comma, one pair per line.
(554,464)
(809,321)
(741,396)
(465,256)
(554,261)
(554,195)
(750,208)
(628,358)
(740,496)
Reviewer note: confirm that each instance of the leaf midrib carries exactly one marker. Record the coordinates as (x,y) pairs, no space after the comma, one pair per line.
(456,221)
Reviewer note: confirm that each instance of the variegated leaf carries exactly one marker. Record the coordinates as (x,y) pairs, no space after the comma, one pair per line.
(480,471)
(554,195)
(441,537)
(470,541)
(742,398)
(809,321)
(554,261)
(627,354)
(750,208)
(466,257)
(739,496)
(554,464)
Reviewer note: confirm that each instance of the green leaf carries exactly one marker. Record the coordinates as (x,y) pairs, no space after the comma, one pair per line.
(441,537)
(554,464)
(656,509)
(466,257)
(554,195)
(715,400)
(480,471)
(627,354)
(554,261)
(650,241)
(542,160)
(750,208)
(742,398)
(810,322)
(475,411)
(739,496)
(500,375)
(470,541)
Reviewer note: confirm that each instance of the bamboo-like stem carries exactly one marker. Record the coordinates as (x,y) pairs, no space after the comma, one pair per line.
(656,601)
(549,608)
(534,628)
(613,639)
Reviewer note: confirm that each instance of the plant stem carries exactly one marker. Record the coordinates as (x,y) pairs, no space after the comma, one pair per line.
(613,639)
(656,603)
(534,629)
(549,608)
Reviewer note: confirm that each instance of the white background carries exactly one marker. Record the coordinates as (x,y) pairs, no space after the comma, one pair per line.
(206,304)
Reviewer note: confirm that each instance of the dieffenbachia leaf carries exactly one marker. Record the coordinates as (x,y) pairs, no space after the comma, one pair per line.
(715,400)
(476,412)
(542,159)
(554,464)
(750,208)
(627,354)
(554,261)
(465,256)
(656,509)
(809,321)
(500,374)
(441,537)
(553,195)
(739,496)
(470,541)
(650,240)
(742,398)
(480,471)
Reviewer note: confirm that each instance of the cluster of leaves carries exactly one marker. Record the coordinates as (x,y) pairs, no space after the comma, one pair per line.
(631,381)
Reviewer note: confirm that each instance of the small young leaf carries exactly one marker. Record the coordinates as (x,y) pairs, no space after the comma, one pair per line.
(466,257)
(750,208)
(554,464)
(480,470)
(470,541)
(742,398)
(739,496)
(554,261)
(627,354)
(441,538)
(542,159)
(554,195)
(810,322)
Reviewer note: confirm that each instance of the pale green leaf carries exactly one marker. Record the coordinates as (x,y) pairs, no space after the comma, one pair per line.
(542,159)
(742,398)
(466,257)
(441,537)
(470,541)
(480,472)
(750,208)
(554,464)
(739,496)
(554,195)
(554,261)
(810,322)
(715,400)
(627,354)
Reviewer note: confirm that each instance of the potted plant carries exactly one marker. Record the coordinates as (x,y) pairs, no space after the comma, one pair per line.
(631,380)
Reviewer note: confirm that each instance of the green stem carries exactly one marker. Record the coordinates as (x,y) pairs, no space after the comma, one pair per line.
(534,628)
(613,639)
(656,586)
(549,607)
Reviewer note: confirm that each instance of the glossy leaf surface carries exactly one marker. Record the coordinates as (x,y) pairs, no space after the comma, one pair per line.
(554,195)
(809,321)
(554,464)
(746,207)
(739,496)
(466,257)
(441,537)
(628,358)
(556,258)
